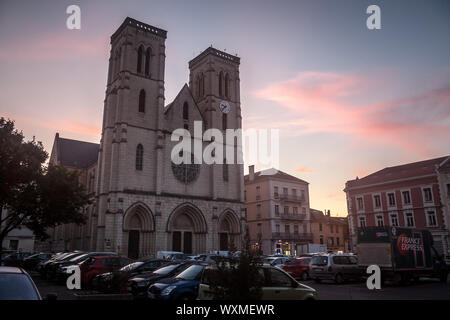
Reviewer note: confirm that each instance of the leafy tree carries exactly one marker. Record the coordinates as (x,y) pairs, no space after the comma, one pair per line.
(239,279)
(35,195)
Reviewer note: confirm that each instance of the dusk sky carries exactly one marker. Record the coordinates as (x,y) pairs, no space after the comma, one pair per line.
(348,100)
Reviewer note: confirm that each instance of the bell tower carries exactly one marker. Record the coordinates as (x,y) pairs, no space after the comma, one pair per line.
(215,84)
(132,123)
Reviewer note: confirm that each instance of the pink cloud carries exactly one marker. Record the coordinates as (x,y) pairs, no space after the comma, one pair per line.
(303,170)
(328,102)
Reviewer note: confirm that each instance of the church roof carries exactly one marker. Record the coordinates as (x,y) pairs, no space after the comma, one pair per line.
(185,87)
(75,153)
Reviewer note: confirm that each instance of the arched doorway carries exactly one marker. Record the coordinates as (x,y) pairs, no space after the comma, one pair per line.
(138,236)
(229,231)
(187,230)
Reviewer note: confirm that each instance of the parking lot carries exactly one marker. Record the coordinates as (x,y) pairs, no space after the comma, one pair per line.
(426,289)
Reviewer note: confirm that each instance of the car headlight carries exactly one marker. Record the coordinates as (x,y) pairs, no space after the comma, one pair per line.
(167,290)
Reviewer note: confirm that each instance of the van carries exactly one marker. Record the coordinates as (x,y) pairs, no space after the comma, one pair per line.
(336,267)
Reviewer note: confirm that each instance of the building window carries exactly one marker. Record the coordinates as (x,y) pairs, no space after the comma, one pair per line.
(227,80)
(321,240)
(277,210)
(147,61)
(295,210)
(275,192)
(287,229)
(225,171)
(380,222)
(285,191)
(296,228)
(391,199)
(220,83)
(224,121)
(406,197)
(338,241)
(331,241)
(139,157)
(303,210)
(394,220)
(431,218)
(139,59)
(362,222)
(185,111)
(320,227)
(294,193)
(258,211)
(286,210)
(427,195)
(409,219)
(377,201)
(277,228)
(258,193)
(142,101)
(302,194)
(360,203)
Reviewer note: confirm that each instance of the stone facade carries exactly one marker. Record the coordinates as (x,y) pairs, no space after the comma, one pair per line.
(143,203)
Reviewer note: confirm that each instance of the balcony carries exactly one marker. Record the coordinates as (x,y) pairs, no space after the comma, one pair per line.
(291,216)
(292,236)
(292,198)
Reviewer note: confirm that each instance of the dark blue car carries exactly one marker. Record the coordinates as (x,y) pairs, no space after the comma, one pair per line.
(183,286)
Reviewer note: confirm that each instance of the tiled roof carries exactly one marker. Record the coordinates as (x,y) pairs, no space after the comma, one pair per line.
(404,171)
(272,174)
(75,153)
(319,216)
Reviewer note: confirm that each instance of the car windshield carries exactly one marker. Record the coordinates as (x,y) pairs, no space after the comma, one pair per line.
(319,261)
(79,257)
(16,287)
(190,273)
(166,269)
(268,260)
(132,266)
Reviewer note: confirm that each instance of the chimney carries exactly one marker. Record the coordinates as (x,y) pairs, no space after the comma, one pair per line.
(251,172)
(328,213)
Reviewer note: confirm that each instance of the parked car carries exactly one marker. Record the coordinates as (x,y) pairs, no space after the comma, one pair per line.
(32,261)
(275,261)
(47,270)
(276,285)
(59,269)
(16,284)
(139,285)
(337,267)
(15,259)
(95,265)
(116,281)
(184,286)
(165,254)
(298,268)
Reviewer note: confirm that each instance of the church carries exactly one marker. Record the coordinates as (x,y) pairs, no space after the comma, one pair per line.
(142,202)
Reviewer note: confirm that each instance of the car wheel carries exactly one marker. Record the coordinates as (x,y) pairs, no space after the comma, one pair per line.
(338,278)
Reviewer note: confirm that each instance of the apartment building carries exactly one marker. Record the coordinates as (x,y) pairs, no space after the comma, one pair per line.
(330,231)
(277,211)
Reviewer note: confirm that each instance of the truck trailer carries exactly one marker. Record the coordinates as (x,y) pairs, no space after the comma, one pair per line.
(403,254)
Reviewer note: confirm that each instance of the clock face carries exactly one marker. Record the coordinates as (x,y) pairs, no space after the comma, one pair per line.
(224,106)
(186,173)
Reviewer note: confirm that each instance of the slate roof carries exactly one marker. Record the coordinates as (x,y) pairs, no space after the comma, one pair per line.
(404,171)
(75,153)
(267,176)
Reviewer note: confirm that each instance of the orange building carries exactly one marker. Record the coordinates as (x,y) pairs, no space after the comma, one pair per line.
(330,231)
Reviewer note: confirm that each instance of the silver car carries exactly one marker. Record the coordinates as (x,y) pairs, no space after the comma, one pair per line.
(336,267)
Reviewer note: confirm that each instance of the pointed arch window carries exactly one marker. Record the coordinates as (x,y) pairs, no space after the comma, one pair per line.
(147,61)
(227,80)
(220,83)
(139,59)
(139,157)
(142,101)
(185,111)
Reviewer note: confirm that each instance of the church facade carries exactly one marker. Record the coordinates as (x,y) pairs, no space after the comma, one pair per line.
(142,202)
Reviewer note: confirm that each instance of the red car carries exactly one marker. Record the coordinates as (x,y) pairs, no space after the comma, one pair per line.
(96,265)
(298,267)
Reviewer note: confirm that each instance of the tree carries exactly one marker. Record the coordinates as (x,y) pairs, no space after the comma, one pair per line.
(238,280)
(35,195)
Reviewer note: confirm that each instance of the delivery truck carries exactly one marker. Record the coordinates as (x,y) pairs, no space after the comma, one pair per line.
(403,254)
